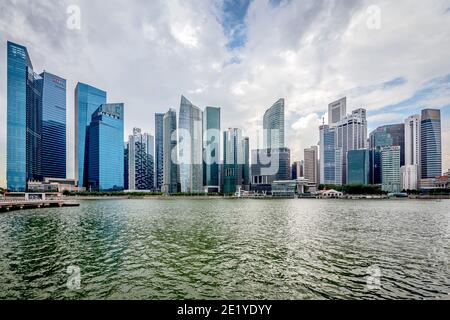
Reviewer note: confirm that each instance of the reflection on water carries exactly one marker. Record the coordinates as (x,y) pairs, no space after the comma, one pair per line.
(225,249)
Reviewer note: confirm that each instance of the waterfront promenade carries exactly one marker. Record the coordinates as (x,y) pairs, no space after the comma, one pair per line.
(16,204)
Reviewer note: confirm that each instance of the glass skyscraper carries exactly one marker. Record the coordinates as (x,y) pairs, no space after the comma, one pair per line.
(105,148)
(431,144)
(358,167)
(233,152)
(273,125)
(87,101)
(211,149)
(397,133)
(53,126)
(24,119)
(140,161)
(171,182)
(390,166)
(328,166)
(190,147)
(159,146)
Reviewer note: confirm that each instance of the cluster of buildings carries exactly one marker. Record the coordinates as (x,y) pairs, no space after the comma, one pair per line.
(399,157)
(189,153)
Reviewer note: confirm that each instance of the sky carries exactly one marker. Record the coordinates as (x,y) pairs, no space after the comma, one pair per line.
(390,57)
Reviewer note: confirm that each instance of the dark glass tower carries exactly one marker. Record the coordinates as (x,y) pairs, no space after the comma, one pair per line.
(53,126)
(24,122)
(431,144)
(87,100)
(211,148)
(159,146)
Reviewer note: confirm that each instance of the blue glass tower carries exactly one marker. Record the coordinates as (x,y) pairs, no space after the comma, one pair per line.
(87,100)
(431,144)
(211,148)
(358,167)
(53,126)
(24,123)
(105,148)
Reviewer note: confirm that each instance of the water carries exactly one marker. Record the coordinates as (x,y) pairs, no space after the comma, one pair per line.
(227,249)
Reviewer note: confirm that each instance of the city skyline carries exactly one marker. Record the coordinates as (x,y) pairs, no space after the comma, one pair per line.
(389,96)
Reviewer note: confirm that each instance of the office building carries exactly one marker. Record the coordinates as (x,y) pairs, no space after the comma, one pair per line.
(396,132)
(53,126)
(431,144)
(171,181)
(159,146)
(268,166)
(140,161)
(328,165)
(390,164)
(126,183)
(190,147)
(311,169)
(246,168)
(273,125)
(410,172)
(358,167)
(234,160)
(24,119)
(211,149)
(105,148)
(337,111)
(409,177)
(87,101)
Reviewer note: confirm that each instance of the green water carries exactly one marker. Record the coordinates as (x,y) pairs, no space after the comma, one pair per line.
(228,249)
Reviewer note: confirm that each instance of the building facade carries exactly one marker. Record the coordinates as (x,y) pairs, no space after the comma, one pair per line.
(358,167)
(311,171)
(211,149)
(53,126)
(171,181)
(328,165)
(397,133)
(390,164)
(159,146)
(105,148)
(431,144)
(337,111)
(87,101)
(410,172)
(270,165)
(140,161)
(274,127)
(233,161)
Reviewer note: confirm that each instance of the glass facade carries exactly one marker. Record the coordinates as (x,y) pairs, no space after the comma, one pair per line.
(24,119)
(140,161)
(159,146)
(431,144)
(105,148)
(190,147)
(211,148)
(87,101)
(233,152)
(273,125)
(396,133)
(358,164)
(53,126)
(390,165)
(327,155)
(171,182)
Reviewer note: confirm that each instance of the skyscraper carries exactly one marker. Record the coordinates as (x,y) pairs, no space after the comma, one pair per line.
(410,172)
(337,111)
(311,172)
(171,181)
(190,147)
(397,133)
(105,148)
(328,166)
(246,169)
(53,126)
(274,126)
(390,166)
(268,166)
(431,144)
(24,119)
(233,151)
(87,101)
(159,146)
(378,140)
(211,149)
(140,161)
(358,167)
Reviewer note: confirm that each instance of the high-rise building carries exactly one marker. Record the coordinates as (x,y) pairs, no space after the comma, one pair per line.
(246,169)
(390,165)
(105,148)
(24,119)
(337,111)
(140,161)
(409,176)
(190,147)
(274,126)
(328,166)
(211,149)
(295,170)
(397,133)
(431,144)
(378,140)
(87,101)
(268,166)
(171,181)
(159,146)
(234,160)
(410,172)
(311,170)
(126,184)
(358,167)
(53,126)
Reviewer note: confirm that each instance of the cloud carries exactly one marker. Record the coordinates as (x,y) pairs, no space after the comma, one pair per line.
(240,55)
